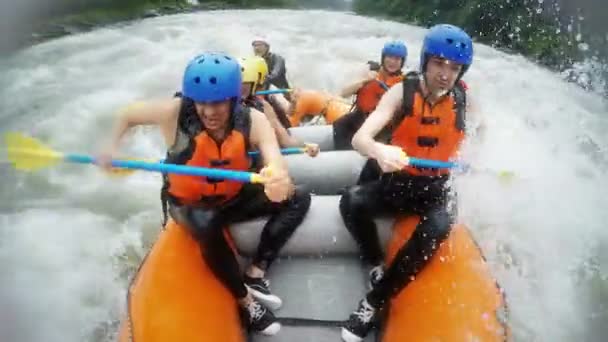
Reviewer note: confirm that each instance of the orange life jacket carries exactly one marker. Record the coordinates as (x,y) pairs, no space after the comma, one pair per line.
(311,103)
(430,132)
(370,93)
(194,147)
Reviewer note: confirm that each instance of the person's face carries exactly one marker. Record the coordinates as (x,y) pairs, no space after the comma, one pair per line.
(441,74)
(392,64)
(214,115)
(260,49)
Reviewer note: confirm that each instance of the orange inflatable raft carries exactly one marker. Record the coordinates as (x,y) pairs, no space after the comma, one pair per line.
(312,103)
(175,297)
(454,298)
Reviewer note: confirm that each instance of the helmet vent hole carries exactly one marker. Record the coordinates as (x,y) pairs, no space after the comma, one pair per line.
(201,60)
(217,61)
(213,80)
(197,80)
(450,41)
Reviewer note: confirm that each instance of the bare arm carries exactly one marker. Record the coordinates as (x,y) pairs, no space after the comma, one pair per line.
(263,137)
(364,76)
(352,88)
(284,139)
(278,69)
(162,113)
(281,101)
(363,141)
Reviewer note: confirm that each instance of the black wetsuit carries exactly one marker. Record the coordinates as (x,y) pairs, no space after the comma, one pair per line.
(207,223)
(207,219)
(401,192)
(398,193)
(344,130)
(347,125)
(277,74)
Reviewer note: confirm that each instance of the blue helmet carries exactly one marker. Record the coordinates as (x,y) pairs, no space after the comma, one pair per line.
(212,77)
(449,42)
(394,48)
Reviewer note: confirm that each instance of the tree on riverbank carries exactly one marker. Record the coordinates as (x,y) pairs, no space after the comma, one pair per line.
(517,25)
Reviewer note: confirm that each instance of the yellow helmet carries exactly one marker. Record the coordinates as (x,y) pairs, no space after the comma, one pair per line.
(253,70)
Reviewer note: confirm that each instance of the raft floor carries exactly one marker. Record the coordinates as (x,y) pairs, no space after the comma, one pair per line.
(327,288)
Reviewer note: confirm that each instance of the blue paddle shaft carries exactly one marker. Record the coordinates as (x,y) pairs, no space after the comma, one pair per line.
(287,150)
(166,168)
(434,164)
(272,91)
(218,173)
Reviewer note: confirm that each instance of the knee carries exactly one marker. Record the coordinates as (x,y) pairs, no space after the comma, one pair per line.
(352,200)
(299,203)
(371,171)
(204,225)
(436,225)
(295,208)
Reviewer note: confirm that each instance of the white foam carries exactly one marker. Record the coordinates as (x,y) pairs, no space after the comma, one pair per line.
(63,261)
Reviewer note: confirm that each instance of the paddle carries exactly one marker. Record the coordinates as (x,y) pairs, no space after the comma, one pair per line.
(29,154)
(412,161)
(383,85)
(273,91)
(253,154)
(284,151)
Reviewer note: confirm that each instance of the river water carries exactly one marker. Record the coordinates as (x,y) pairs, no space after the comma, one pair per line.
(71,237)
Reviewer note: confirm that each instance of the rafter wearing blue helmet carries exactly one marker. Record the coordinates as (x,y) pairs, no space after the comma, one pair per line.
(205,126)
(450,43)
(368,90)
(426,117)
(212,77)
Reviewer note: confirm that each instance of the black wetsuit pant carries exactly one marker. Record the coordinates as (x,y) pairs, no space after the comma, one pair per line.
(206,224)
(398,193)
(345,128)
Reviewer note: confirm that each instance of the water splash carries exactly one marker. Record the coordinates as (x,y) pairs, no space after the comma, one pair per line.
(537,232)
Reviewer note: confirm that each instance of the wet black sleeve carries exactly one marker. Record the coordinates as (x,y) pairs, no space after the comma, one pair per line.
(278,69)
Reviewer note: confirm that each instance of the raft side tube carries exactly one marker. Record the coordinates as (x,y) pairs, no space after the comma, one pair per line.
(328,173)
(321,233)
(323,135)
(454,298)
(175,296)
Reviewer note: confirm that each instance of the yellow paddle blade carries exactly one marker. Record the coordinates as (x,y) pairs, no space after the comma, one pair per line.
(506,176)
(28,154)
(117,172)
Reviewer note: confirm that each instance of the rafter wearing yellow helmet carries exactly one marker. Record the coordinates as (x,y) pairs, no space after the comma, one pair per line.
(253,71)
(253,74)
